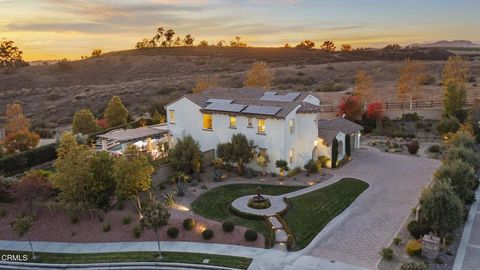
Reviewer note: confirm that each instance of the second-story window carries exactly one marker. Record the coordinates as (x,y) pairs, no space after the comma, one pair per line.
(207,121)
(291,126)
(172,117)
(261,126)
(250,122)
(233,121)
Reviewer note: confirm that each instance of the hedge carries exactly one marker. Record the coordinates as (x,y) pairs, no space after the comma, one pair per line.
(19,162)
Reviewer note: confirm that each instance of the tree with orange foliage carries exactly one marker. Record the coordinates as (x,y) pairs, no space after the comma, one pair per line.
(351,107)
(412,74)
(455,71)
(203,83)
(376,111)
(21,141)
(33,186)
(328,46)
(346,48)
(16,119)
(363,87)
(259,75)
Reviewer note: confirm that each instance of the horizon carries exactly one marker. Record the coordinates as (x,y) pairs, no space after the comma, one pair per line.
(56,29)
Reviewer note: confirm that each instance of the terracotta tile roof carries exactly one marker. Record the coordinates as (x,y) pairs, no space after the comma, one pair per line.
(251,96)
(329,129)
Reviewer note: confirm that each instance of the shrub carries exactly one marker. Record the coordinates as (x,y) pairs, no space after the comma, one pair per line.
(73,219)
(126,220)
(207,234)
(416,229)
(413,147)
(462,138)
(18,162)
(460,175)
(252,203)
(3,212)
(322,161)
(448,125)
(311,167)
(189,224)
(414,266)
(294,171)
(228,226)
(250,235)
(397,241)
(172,232)
(466,155)
(413,248)
(137,231)
(106,227)
(386,253)
(410,117)
(435,148)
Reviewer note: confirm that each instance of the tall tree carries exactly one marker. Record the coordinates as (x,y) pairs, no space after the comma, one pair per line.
(203,83)
(239,150)
(116,114)
(346,48)
(460,176)
(96,53)
(412,74)
(155,217)
(21,141)
(84,122)
(10,56)
(238,42)
(259,75)
(442,209)
(328,46)
(158,38)
(133,176)
(454,97)
(351,107)
(186,155)
(364,87)
(22,225)
(16,120)
(188,40)
(455,71)
(169,34)
(101,178)
(306,44)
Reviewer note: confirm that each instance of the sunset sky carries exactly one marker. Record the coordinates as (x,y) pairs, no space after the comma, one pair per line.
(54,29)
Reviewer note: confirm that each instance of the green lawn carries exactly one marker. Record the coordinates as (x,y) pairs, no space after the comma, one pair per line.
(309,213)
(215,203)
(193,258)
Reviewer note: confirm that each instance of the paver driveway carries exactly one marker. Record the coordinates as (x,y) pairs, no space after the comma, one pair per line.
(371,222)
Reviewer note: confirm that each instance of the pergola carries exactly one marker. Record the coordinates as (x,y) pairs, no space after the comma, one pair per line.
(124,136)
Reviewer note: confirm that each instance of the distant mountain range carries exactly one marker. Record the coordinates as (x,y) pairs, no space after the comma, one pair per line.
(449,44)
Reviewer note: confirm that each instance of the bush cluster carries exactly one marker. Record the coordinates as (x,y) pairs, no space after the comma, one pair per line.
(19,162)
(386,253)
(416,229)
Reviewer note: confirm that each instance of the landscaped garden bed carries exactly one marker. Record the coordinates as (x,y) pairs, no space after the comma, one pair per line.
(113,257)
(308,214)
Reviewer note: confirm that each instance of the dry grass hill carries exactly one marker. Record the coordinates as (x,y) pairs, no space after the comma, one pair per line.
(152,77)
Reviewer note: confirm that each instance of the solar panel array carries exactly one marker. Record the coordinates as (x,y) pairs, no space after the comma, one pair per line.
(264,110)
(213,100)
(225,107)
(272,96)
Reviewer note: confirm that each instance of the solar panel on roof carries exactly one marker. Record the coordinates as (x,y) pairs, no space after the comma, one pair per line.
(226,107)
(264,110)
(212,100)
(289,97)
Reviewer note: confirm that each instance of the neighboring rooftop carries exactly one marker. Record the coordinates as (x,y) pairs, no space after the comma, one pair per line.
(125,135)
(329,129)
(253,101)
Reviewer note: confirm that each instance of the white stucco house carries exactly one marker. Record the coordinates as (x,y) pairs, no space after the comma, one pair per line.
(286,125)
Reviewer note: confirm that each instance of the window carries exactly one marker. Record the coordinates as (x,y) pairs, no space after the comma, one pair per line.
(261,126)
(207,121)
(291,126)
(233,121)
(290,156)
(250,122)
(172,117)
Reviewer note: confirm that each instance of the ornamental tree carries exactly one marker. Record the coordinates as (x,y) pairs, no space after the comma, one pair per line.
(186,155)
(116,114)
(259,75)
(101,178)
(364,87)
(239,150)
(282,165)
(376,111)
(32,187)
(351,107)
(21,141)
(133,176)
(16,120)
(154,217)
(412,74)
(84,122)
(454,97)
(460,176)
(442,209)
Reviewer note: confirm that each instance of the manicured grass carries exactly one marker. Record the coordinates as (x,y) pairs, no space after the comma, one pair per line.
(179,257)
(215,203)
(309,213)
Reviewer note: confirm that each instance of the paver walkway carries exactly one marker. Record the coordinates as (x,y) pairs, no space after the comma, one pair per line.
(468,253)
(263,259)
(374,218)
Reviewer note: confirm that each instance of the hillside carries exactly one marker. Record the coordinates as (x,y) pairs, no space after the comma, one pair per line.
(148,77)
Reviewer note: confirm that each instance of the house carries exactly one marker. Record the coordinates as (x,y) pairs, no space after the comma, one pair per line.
(286,125)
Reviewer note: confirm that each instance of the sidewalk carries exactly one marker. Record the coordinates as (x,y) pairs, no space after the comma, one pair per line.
(263,259)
